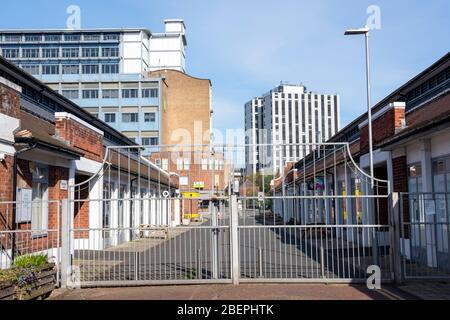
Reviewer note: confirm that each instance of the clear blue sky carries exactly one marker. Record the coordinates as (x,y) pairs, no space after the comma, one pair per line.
(246,47)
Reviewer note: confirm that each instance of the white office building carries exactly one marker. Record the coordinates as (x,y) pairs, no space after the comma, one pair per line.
(287,119)
(104,70)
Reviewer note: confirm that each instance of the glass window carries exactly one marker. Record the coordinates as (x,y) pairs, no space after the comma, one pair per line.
(150,117)
(50,52)
(129,93)
(149,93)
(130,117)
(52,37)
(110,93)
(30,53)
(50,69)
(90,69)
(70,52)
(149,141)
(110,68)
(90,52)
(70,94)
(31,69)
(13,38)
(92,37)
(39,212)
(72,37)
(33,37)
(165,164)
(110,52)
(110,117)
(90,94)
(10,53)
(70,69)
(111,36)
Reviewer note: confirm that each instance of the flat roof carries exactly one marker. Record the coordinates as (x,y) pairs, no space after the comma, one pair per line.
(88,30)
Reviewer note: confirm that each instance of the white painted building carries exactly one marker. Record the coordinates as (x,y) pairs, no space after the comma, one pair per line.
(286,117)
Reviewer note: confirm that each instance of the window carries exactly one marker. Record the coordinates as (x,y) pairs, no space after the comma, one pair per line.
(110,68)
(110,117)
(70,69)
(52,37)
(70,52)
(70,94)
(149,141)
(39,210)
(90,52)
(110,52)
(72,37)
(92,37)
(50,52)
(110,94)
(111,36)
(149,93)
(187,163)
(129,93)
(30,53)
(50,69)
(13,38)
(165,164)
(33,37)
(108,189)
(90,69)
(130,117)
(10,53)
(31,69)
(150,117)
(90,94)
(204,164)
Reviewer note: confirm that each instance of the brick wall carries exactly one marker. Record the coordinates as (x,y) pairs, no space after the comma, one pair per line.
(383,127)
(85,139)
(6,194)
(9,101)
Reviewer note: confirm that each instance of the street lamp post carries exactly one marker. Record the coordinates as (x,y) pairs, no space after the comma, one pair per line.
(365,31)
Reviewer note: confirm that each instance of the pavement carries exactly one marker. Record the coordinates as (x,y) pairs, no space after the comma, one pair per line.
(230,292)
(428,290)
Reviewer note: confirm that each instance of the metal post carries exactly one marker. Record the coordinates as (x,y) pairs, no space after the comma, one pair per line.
(369,110)
(136,266)
(234,233)
(395,227)
(65,241)
(215,235)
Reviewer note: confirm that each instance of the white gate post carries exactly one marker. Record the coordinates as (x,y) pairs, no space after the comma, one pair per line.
(65,243)
(234,234)
(395,228)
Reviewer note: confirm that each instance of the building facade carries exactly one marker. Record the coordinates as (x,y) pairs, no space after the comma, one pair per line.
(285,118)
(50,150)
(411,134)
(104,70)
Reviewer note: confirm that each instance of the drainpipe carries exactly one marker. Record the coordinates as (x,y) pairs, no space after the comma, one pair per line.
(14,224)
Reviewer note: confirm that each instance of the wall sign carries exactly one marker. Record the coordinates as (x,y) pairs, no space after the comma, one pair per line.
(63,185)
(24,197)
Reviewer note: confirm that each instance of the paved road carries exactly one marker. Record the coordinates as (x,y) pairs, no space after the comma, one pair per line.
(228,292)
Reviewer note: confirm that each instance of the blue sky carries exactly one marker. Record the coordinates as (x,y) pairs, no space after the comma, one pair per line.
(246,47)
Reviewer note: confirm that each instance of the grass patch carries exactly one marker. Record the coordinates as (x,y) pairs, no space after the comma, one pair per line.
(31,261)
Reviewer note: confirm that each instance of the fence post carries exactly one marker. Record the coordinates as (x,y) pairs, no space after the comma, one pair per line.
(395,238)
(234,233)
(65,241)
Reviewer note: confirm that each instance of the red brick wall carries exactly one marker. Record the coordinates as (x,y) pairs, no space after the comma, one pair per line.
(9,101)
(6,194)
(382,127)
(86,140)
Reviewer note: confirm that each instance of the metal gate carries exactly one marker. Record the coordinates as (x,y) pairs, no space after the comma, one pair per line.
(209,214)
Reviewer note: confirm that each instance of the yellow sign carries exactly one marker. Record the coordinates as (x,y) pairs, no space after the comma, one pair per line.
(191,195)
